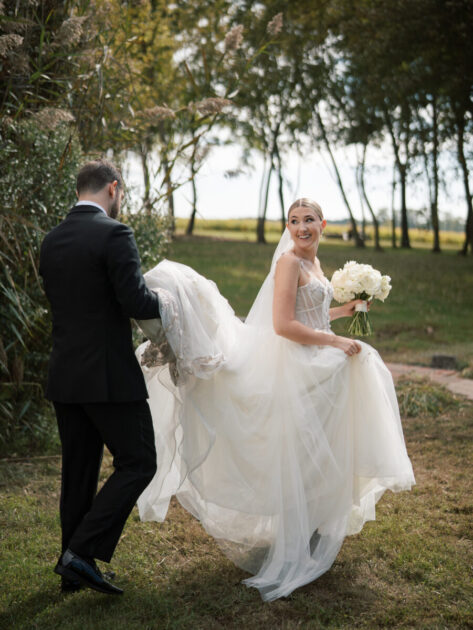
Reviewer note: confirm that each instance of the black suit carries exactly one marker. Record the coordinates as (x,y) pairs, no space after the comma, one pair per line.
(91,273)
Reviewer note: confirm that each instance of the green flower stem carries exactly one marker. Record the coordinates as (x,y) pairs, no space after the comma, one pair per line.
(360,325)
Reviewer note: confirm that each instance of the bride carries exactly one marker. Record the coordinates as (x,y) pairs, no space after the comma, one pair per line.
(277,434)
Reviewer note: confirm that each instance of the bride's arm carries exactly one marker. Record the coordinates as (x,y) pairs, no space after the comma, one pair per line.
(284,307)
(345,310)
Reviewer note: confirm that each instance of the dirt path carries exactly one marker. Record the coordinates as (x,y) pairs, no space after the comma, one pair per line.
(447,378)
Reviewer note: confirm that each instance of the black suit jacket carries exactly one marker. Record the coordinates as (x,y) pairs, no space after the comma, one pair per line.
(92,277)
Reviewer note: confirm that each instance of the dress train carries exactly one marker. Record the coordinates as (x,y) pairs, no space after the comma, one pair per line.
(279,449)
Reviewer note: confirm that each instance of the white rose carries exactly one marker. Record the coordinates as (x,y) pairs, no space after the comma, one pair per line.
(371,281)
(336,277)
(342,296)
(340,284)
(354,279)
(385,288)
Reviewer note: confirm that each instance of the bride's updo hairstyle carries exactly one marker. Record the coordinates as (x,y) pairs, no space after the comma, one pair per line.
(304,202)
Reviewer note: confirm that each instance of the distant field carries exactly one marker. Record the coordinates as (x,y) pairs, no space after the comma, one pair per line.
(429,310)
(245,229)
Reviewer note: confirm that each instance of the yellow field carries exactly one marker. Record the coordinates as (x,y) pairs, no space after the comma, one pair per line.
(245,229)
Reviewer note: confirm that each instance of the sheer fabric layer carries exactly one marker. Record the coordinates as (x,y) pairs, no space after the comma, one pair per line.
(279,449)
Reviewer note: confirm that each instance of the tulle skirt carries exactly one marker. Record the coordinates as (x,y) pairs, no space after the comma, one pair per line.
(280,452)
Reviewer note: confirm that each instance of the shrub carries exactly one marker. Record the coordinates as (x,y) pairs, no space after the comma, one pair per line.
(151,235)
(421,398)
(38,167)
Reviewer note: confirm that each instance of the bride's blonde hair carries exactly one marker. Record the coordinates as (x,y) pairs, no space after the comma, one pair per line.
(304,202)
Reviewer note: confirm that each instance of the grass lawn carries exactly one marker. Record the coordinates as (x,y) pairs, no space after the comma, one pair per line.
(429,310)
(412,568)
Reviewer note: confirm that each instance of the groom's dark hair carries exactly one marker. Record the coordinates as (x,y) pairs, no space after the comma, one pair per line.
(93,176)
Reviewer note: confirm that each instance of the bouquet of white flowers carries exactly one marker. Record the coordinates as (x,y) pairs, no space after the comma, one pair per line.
(357,281)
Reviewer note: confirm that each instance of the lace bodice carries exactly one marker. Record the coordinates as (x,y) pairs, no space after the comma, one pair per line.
(313,303)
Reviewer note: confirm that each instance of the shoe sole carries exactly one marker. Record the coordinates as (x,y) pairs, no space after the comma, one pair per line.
(72,575)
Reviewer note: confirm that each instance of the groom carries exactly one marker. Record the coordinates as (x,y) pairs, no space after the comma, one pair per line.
(91,273)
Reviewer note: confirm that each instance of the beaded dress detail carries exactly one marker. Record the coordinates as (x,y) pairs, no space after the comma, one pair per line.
(313,303)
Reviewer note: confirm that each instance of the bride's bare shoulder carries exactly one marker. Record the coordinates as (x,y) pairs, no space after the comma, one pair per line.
(288,260)
(288,266)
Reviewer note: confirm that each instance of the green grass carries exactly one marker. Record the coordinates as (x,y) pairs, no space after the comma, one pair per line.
(411,568)
(428,311)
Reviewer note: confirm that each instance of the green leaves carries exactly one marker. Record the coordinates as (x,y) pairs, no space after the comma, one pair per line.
(37,182)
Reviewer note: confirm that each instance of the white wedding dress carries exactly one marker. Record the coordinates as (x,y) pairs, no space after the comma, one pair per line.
(279,449)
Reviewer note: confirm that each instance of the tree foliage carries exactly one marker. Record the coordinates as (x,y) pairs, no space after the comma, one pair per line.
(167,81)
(32,200)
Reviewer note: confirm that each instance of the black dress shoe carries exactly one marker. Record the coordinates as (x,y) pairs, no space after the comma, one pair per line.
(74,568)
(70,586)
(108,575)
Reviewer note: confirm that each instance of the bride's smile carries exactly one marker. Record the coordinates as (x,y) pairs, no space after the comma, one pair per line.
(305,227)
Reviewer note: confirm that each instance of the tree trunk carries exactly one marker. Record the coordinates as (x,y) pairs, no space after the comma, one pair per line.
(434,206)
(460,124)
(281,189)
(169,194)
(358,240)
(468,231)
(431,172)
(281,199)
(377,244)
(190,224)
(362,202)
(259,228)
(147,205)
(402,170)
(167,181)
(261,187)
(393,213)
(404,223)
(260,237)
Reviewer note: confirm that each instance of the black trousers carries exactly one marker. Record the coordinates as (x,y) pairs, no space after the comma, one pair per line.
(92,523)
